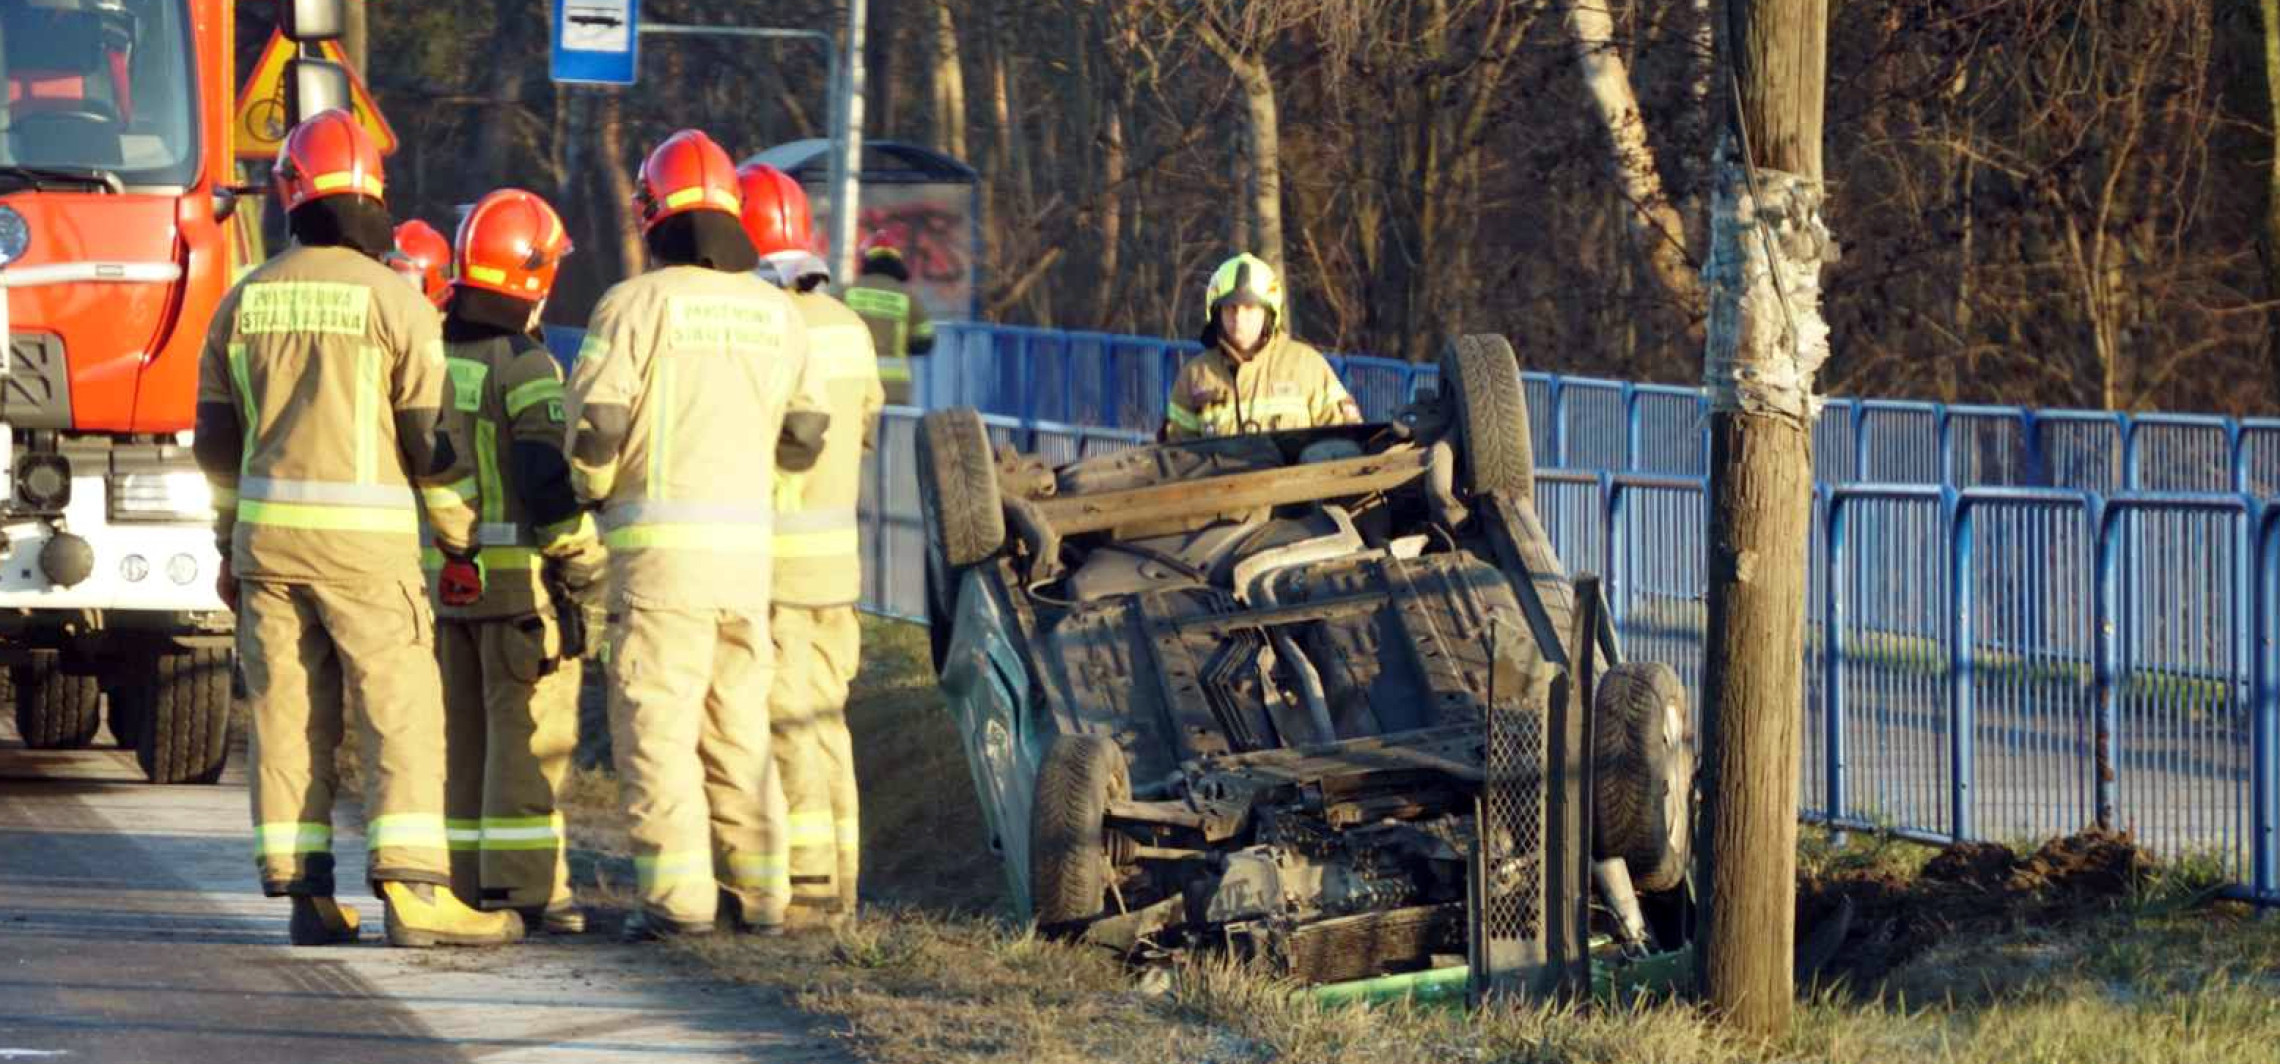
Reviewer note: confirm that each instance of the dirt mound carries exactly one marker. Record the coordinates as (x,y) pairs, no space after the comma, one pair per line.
(1859,924)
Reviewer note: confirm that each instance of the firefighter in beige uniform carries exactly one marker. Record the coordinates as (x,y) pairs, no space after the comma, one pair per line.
(692,386)
(509,666)
(319,393)
(819,573)
(1251,376)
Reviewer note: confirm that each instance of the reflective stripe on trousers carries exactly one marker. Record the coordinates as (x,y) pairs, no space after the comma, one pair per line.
(288,838)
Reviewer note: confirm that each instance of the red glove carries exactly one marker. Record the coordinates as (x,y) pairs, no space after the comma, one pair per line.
(225,585)
(461,583)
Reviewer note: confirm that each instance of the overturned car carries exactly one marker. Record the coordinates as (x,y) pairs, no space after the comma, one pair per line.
(1322,696)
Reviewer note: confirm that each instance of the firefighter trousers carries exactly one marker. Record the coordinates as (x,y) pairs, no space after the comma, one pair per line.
(511,718)
(317,657)
(817,652)
(689,733)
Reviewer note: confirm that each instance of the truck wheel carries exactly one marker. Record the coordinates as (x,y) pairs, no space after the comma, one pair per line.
(126,709)
(1494,449)
(128,690)
(1068,847)
(55,710)
(1643,773)
(186,737)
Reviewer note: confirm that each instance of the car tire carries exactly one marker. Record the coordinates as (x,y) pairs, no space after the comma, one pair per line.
(958,489)
(1642,754)
(940,614)
(186,737)
(1495,452)
(1068,845)
(54,709)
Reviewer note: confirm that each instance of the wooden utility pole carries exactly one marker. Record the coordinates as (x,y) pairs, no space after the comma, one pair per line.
(1766,339)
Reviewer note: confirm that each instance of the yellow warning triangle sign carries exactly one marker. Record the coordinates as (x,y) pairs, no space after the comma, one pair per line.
(261,121)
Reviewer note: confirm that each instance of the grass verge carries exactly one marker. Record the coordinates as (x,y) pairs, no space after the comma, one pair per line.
(935,971)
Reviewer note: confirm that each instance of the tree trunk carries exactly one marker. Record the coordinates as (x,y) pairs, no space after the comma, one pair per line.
(1766,339)
(496,136)
(1262,142)
(949,85)
(2269,237)
(1111,211)
(617,170)
(1655,227)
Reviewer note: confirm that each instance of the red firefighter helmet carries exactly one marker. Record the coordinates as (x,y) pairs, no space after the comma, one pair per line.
(328,155)
(512,243)
(421,255)
(775,210)
(688,172)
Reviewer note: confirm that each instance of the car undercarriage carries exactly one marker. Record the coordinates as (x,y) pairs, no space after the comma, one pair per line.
(1323,698)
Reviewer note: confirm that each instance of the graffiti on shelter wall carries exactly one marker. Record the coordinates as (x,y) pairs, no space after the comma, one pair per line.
(931,225)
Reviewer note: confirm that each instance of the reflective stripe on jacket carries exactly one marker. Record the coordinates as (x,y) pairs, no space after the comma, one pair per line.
(1287,385)
(899,325)
(321,353)
(817,548)
(674,408)
(506,392)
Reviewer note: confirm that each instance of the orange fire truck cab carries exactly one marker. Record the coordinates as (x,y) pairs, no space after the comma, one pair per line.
(116,244)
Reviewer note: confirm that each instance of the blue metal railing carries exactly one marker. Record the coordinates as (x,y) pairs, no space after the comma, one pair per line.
(1990,662)
(2020,623)
(1618,427)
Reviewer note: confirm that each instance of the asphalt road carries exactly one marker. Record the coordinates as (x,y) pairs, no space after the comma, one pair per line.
(131,930)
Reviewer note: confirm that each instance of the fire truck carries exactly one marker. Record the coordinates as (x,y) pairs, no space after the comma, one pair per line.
(122,225)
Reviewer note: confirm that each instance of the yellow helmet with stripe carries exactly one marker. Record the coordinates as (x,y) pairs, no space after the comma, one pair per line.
(1245,280)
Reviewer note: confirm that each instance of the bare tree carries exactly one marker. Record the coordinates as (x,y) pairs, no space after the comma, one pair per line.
(1655,226)
(949,84)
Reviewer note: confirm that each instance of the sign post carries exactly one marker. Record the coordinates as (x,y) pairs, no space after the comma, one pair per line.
(261,123)
(595,42)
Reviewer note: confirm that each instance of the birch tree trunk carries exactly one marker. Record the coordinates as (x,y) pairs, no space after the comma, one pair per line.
(1262,141)
(1766,339)
(949,85)
(1655,227)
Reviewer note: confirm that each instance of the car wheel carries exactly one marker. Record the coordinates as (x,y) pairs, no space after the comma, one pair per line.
(1494,449)
(958,489)
(1642,754)
(1068,846)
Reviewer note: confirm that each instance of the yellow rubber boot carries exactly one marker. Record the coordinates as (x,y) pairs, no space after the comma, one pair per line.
(322,921)
(421,915)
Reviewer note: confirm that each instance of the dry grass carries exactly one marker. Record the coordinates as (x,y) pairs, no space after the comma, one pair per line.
(936,972)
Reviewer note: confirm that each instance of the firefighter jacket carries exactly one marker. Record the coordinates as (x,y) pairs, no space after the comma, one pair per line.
(675,408)
(320,390)
(820,556)
(1286,385)
(899,328)
(506,412)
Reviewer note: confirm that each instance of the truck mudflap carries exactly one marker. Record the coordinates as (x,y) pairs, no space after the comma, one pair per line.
(85,561)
